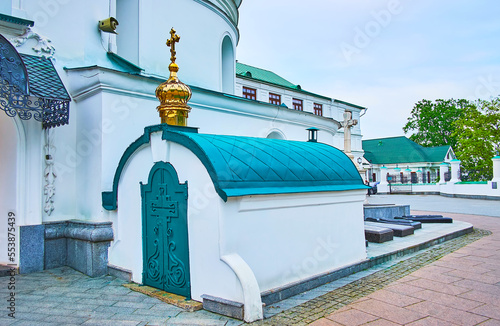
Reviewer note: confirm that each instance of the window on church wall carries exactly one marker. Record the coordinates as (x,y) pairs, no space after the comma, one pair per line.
(227,52)
(249,93)
(274,99)
(318,109)
(127,39)
(298,104)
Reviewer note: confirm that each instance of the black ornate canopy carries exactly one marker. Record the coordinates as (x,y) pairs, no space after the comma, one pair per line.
(31,88)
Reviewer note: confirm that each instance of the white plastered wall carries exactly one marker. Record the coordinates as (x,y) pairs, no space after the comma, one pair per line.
(209,275)
(8,177)
(287,96)
(72,27)
(200,29)
(290,237)
(21,176)
(29,172)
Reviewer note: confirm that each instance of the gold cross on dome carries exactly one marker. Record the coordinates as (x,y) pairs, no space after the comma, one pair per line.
(171,43)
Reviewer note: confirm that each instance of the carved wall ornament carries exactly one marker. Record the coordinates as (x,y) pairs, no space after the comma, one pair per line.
(49,189)
(43,46)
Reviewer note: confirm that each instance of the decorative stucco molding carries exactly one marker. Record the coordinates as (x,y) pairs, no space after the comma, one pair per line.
(43,46)
(49,189)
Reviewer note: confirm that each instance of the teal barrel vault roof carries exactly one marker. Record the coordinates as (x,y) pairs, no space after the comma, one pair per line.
(242,166)
(394,150)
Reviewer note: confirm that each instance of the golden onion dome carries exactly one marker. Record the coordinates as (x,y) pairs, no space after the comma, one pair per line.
(173,94)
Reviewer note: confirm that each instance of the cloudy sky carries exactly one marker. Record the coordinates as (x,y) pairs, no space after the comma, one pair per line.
(382,54)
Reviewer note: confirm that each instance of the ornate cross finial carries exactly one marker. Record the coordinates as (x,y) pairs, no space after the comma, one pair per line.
(173,94)
(171,43)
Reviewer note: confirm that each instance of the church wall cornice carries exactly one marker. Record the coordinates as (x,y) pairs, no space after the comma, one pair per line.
(107,80)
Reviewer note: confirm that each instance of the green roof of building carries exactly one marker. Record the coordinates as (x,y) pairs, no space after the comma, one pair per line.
(243,166)
(437,154)
(262,75)
(266,76)
(394,150)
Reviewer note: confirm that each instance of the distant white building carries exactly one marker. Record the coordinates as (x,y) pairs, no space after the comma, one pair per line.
(403,160)
(399,165)
(268,87)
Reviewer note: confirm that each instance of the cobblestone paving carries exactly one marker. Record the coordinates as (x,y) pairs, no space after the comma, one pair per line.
(63,296)
(326,304)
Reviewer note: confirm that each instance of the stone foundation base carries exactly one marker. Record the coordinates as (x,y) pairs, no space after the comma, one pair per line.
(386,211)
(31,248)
(81,245)
(121,273)
(223,307)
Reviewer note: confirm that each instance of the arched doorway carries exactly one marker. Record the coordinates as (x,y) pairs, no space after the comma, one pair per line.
(165,231)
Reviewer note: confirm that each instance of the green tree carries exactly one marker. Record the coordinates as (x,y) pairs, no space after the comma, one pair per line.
(432,123)
(478,138)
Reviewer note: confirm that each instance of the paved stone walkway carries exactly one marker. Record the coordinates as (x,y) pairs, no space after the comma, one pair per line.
(441,204)
(455,283)
(63,296)
(461,288)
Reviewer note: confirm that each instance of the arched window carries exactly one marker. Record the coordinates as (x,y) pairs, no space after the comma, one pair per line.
(227,63)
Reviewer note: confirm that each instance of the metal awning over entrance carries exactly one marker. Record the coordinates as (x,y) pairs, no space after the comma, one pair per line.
(31,88)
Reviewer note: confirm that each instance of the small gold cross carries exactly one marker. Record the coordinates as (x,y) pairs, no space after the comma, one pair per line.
(171,43)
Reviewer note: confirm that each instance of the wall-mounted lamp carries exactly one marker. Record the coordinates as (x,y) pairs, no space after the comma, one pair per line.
(108,25)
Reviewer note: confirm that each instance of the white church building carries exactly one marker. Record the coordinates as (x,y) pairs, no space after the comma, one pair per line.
(225,201)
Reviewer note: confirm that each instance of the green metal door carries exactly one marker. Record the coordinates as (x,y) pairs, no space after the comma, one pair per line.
(165,231)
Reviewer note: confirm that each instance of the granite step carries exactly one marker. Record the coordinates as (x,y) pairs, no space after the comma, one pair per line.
(399,230)
(415,224)
(378,234)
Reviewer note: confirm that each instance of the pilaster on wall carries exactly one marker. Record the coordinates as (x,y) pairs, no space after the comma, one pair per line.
(383,176)
(81,245)
(455,171)
(262,95)
(496,169)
